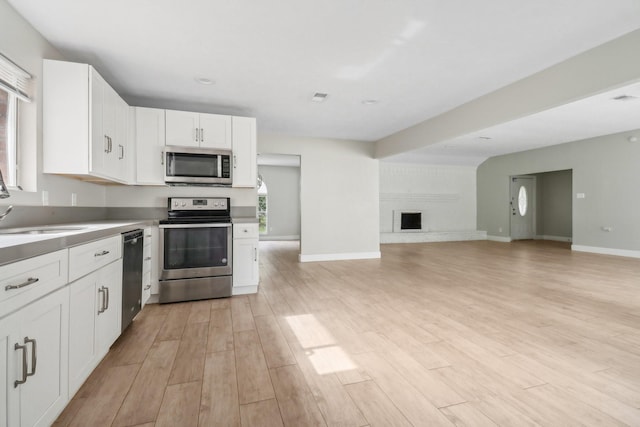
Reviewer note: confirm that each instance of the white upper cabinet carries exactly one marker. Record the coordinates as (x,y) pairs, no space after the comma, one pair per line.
(215,131)
(150,142)
(184,128)
(84,124)
(244,151)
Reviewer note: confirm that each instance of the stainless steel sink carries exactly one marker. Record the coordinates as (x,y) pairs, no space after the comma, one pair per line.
(41,230)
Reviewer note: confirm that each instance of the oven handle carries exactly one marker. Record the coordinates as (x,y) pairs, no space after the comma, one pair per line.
(209,225)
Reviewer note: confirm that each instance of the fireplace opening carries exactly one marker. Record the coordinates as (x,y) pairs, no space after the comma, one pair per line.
(411,221)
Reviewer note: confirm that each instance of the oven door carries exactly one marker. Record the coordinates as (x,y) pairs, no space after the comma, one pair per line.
(195,250)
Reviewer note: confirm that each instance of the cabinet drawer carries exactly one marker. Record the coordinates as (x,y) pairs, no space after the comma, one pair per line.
(89,257)
(24,281)
(245,231)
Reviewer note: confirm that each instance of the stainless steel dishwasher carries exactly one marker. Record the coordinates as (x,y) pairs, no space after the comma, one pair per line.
(132,253)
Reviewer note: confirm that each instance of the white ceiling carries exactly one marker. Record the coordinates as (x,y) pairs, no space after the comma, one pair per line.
(587,118)
(418,58)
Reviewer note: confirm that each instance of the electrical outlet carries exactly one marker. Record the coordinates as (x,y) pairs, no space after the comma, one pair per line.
(580,196)
(500,230)
(74,199)
(607,229)
(45,198)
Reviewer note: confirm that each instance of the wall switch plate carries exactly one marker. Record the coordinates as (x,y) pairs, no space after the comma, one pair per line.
(45,198)
(500,230)
(580,196)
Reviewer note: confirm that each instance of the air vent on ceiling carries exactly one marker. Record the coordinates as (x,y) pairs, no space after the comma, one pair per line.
(624,98)
(319,97)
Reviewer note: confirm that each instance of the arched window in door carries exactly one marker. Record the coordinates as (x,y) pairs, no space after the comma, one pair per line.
(262,208)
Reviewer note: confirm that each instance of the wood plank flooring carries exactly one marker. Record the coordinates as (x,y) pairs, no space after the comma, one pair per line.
(435,334)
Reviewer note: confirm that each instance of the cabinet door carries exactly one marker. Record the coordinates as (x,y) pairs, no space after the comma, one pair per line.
(215,131)
(244,151)
(45,394)
(99,140)
(84,301)
(182,128)
(150,139)
(245,262)
(110,320)
(10,362)
(122,172)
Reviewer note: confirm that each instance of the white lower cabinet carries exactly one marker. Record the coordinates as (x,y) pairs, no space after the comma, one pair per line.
(34,343)
(95,314)
(246,274)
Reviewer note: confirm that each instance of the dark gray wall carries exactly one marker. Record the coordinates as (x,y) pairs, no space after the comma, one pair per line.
(554,203)
(606,169)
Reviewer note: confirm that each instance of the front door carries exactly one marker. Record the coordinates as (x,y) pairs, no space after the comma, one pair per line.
(522,209)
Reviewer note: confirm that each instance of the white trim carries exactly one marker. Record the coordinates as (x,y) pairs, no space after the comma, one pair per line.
(339,257)
(606,251)
(433,236)
(244,290)
(503,239)
(268,237)
(554,238)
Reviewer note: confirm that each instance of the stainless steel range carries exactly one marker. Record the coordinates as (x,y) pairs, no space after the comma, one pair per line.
(196,246)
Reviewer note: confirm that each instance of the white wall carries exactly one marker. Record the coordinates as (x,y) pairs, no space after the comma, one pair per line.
(283,202)
(25,46)
(339,195)
(156,196)
(447,194)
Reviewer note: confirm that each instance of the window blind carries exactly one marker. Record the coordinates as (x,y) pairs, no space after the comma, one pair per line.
(14,79)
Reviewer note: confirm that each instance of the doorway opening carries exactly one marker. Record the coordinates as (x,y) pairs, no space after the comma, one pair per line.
(279,206)
(544,211)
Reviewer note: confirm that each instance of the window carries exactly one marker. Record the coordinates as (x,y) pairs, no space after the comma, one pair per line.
(262,208)
(522,201)
(14,82)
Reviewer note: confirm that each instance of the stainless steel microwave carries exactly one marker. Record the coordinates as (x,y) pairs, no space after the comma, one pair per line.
(197,166)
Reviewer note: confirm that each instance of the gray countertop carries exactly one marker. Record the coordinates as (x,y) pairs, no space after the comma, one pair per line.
(244,220)
(15,247)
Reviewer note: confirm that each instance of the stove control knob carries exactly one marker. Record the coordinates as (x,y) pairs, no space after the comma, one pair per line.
(183,204)
(175,204)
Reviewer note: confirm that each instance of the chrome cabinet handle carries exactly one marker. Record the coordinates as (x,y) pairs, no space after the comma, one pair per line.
(162,158)
(146,288)
(24,364)
(148,258)
(235,161)
(30,281)
(255,254)
(201,135)
(196,134)
(100,253)
(34,354)
(121,152)
(101,309)
(106,144)
(106,290)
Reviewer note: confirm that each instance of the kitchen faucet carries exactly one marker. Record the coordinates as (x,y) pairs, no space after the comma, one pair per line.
(4,193)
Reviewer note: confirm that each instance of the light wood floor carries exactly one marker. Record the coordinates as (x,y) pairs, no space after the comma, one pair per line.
(465,334)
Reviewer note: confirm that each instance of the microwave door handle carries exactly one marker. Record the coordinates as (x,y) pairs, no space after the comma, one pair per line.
(219,169)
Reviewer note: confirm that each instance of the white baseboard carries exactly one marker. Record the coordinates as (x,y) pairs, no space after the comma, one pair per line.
(554,238)
(606,251)
(244,290)
(503,239)
(267,238)
(339,257)
(433,236)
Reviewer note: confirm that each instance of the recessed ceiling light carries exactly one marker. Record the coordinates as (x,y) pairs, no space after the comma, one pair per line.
(319,97)
(204,81)
(624,98)
(370,101)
